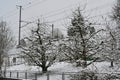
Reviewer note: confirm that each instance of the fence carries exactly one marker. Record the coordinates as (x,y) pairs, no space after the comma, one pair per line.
(20,75)
(61,76)
(35,75)
(1,78)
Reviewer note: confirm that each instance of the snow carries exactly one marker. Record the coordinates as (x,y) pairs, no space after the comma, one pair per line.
(63,67)
(103,67)
(24,67)
(58,68)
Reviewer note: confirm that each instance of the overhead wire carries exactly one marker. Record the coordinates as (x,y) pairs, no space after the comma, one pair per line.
(14,11)
(93,9)
(99,7)
(58,20)
(76,4)
(95,24)
(35,4)
(48,12)
(9,14)
(67,16)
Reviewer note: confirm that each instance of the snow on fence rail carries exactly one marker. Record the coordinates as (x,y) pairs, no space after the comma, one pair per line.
(60,76)
(36,75)
(20,75)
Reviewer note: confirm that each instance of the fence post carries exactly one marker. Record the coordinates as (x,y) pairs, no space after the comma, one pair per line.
(35,76)
(48,76)
(17,74)
(4,73)
(63,76)
(25,75)
(10,74)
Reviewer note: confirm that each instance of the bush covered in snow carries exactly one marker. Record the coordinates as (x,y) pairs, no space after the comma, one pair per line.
(84,75)
(91,75)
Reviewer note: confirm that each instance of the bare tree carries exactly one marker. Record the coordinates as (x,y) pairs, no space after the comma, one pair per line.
(40,50)
(110,50)
(112,43)
(6,41)
(116,17)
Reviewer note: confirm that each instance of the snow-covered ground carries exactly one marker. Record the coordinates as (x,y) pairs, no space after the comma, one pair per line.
(104,67)
(57,69)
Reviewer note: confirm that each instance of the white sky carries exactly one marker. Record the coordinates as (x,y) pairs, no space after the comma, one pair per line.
(55,12)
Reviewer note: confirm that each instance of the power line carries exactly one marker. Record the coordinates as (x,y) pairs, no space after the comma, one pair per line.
(35,4)
(100,7)
(9,12)
(68,18)
(56,10)
(100,15)
(13,12)
(93,9)
(6,14)
(26,6)
(65,18)
(95,24)
(63,11)
(76,4)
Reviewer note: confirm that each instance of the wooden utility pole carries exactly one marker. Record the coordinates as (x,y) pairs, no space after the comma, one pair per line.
(20,25)
(52,31)
(19,36)
(38,24)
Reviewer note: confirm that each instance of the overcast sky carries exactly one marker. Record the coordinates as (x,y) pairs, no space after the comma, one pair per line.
(55,12)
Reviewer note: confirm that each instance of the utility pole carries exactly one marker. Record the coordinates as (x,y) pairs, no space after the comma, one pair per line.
(57,34)
(19,36)
(20,25)
(38,24)
(52,30)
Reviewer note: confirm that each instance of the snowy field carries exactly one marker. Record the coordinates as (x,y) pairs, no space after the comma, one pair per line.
(57,69)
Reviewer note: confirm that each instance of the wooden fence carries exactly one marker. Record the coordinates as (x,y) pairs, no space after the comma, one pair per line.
(1,78)
(33,75)
(58,76)
(20,75)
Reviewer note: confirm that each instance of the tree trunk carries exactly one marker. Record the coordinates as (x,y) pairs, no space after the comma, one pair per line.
(0,65)
(0,71)
(84,64)
(84,58)
(111,63)
(44,69)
